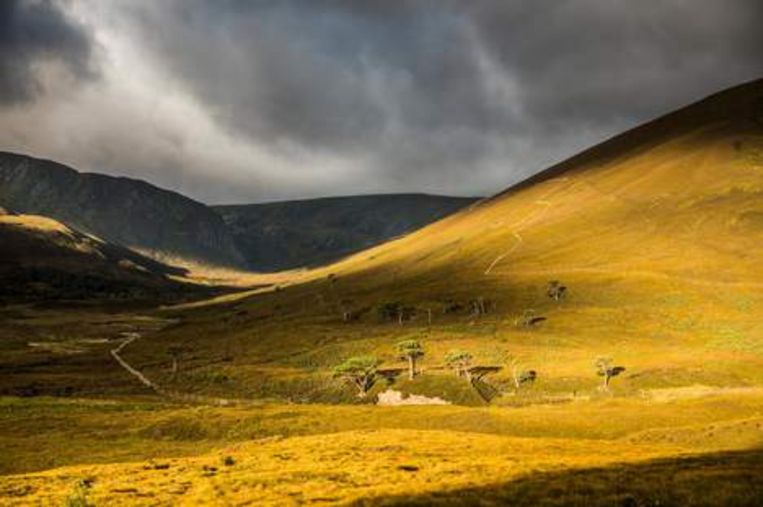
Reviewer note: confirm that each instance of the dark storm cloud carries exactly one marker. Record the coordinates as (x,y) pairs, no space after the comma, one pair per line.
(403,81)
(322,73)
(588,60)
(295,98)
(33,32)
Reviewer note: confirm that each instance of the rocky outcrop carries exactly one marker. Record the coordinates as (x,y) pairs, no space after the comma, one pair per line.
(390,397)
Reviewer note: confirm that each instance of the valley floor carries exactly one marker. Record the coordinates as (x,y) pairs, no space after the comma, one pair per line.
(682,426)
(683,450)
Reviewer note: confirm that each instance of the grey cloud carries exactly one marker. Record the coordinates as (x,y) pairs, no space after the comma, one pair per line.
(590,61)
(34,31)
(447,96)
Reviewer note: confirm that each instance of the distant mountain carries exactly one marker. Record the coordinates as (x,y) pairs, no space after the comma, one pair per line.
(158,223)
(42,259)
(291,234)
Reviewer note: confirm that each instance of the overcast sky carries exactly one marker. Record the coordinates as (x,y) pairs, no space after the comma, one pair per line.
(246,101)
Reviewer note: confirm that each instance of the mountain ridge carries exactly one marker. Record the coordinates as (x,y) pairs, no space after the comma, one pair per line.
(133,213)
(303,233)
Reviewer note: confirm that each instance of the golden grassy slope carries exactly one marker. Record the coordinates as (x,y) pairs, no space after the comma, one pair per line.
(655,234)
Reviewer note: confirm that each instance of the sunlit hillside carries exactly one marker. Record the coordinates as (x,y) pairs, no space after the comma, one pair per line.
(655,236)
(653,233)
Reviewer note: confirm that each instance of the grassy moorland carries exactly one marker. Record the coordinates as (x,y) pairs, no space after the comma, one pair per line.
(283,454)
(653,233)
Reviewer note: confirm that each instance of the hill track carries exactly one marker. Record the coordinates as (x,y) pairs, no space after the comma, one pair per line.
(131,337)
(173,395)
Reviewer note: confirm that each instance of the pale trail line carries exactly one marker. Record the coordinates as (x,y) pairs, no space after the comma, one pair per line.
(536,215)
(518,240)
(131,337)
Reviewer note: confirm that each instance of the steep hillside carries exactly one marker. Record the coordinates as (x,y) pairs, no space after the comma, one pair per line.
(284,235)
(655,234)
(162,224)
(682,195)
(42,259)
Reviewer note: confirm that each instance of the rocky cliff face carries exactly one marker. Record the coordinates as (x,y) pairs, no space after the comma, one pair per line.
(162,224)
(284,235)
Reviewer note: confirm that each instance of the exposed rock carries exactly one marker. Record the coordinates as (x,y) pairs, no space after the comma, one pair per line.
(390,397)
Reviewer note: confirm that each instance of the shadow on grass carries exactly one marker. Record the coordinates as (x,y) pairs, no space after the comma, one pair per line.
(717,479)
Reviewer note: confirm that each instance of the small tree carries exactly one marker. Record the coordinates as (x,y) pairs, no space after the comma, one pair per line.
(529,319)
(556,290)
(176,352)
(405,313)
(460,361)
(519,375)
(390,311)
(345,308)
(410,350)
(359,371)
(605,370)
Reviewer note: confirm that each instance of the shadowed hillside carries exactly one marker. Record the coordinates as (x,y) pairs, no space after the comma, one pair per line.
(284,235)
(162,224)
(42,259)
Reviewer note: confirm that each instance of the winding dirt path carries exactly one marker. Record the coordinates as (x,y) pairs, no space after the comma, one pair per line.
(174,395)
(131,337)
(521,224)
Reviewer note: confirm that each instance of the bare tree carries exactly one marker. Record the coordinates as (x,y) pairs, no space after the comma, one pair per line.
(607,371)
(396,311)
(410,350)
(481,306)
(176,352)
(345,308)
(359,371)
(405,313)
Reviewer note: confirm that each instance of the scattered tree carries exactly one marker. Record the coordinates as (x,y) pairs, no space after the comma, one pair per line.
(556,290)
(359,371)
(410,350)
(176,352)
(529,319)
(605,370)
(481,306)
(452,307)
(528,376)
(460,361)
(345,307)
(390,311)
(519,374)
(405,313)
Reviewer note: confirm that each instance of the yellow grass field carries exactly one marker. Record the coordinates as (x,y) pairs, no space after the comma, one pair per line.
(656,234)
